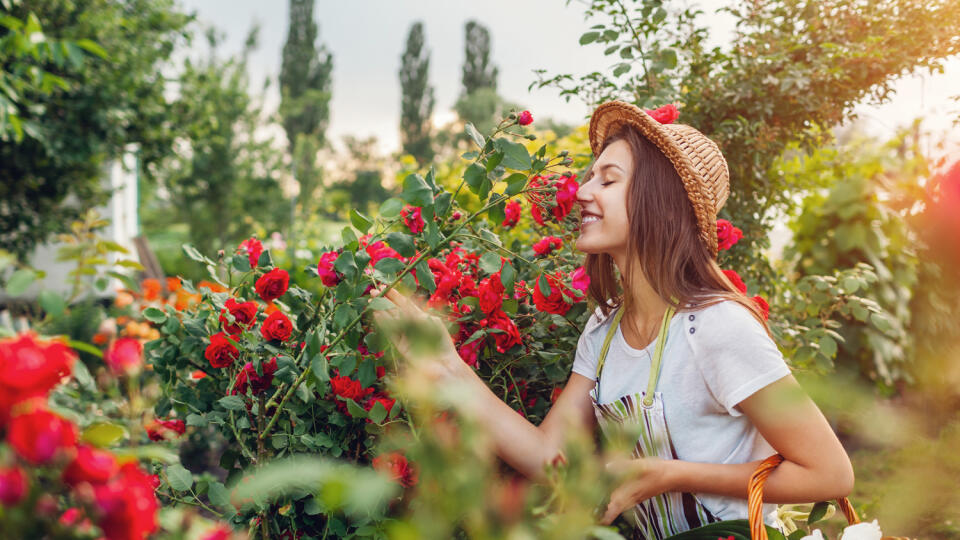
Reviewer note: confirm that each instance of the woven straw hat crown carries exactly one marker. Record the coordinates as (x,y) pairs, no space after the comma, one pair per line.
(696,158)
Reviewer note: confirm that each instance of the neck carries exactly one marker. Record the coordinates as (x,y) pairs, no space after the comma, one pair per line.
(644,306)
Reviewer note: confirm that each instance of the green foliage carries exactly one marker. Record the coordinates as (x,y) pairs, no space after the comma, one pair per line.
(862,217)
(794,70)
(305,77)
(222,178)
(478,72)
(417,99)
(114,97)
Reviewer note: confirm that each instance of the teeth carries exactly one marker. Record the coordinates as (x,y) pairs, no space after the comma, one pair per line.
(590,219)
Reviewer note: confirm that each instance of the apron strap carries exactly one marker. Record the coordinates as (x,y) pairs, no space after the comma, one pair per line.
(658,352)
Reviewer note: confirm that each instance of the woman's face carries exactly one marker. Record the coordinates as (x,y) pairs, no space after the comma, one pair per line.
(603,202)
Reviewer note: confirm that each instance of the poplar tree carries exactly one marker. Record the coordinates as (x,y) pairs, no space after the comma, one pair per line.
(305,79)
(478,72)
(417,102)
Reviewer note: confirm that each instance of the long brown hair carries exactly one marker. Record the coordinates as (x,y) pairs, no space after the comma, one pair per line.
(663,240)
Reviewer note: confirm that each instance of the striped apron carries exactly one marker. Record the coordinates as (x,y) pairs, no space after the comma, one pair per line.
(672,512)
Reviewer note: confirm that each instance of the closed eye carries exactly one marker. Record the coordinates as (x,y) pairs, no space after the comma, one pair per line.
(605,183)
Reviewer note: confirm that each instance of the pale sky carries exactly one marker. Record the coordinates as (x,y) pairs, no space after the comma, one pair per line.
(367,38)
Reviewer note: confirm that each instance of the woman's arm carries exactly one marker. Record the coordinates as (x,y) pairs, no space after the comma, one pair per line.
(524,446)
(815,468)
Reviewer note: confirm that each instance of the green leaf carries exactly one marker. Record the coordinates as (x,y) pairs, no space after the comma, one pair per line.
(378,412)
(320,367)
(389,265)
(828,346)
(154,315)
(360,221)
(659,15)
(433,234)
(881,322)
(621,69)
(218,494)
(515,155)
(192,252)
(475,176)
(669,58)
(355,410)
(494,160)
(52,303)
(544,285)
(379,303)
(232,403)
(416,191)
(443,202)
(346,265)
(817,512)
(103,434)
(20,281)
(589,37)
(91,47)
(474,135)
(85,347)
(402,242)
(180,479)
(425,276)
(515,183)
(508,276)
(391,208)
(490,262)
(83,377)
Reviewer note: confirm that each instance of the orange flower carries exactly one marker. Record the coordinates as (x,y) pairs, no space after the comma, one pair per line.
(173,284)
(151,289)
(123,299)
(100,338)
(214,287)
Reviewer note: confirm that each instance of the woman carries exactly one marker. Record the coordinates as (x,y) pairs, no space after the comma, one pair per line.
(680,351)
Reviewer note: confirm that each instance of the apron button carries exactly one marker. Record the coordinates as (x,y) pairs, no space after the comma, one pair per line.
(692,330)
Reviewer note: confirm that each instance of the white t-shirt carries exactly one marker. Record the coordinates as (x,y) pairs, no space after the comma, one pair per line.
(714,358)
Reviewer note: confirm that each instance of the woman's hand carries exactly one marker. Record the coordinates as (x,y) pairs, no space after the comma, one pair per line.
(643,478)
(431,344)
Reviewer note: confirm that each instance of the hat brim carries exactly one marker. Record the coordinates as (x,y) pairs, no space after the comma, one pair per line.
(609,116)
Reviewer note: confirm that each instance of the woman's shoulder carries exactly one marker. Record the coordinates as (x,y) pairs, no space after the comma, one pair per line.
(720,321)
(598,321)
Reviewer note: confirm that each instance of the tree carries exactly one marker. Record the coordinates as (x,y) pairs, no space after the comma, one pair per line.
(795,70)
(477,70)
(221,181)
(418,99)
(102,105)
(305,78)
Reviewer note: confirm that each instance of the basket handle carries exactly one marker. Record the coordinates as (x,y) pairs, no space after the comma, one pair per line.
(755,499)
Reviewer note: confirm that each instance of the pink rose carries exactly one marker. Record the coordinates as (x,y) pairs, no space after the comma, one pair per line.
(546,245)
(328,275)
(512,213)
(580,280)
(412,218)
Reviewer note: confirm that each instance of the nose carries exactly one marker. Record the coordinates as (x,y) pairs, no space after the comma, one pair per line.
(585,193)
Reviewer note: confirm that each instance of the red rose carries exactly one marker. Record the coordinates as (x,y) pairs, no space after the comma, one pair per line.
(501,321)
(127,504)
(665,115)
(383,399)
(734,278)
(525,118)
(566,196)
(37,436)
(160,430)
(221,352)
(763,305)
(29,368)
(412,218)
(348,388)
(222,532)
(470,352)
(378,250)
(253,248)
(580,280)
(727,235)
(555,395)
(546,245)
(381,371)
(276,327)
(554,303)
(125,356)
(244,315)
(512,213)
(397,467)
(273,284)
(520,290)
(491,293)
(456,215)
(328,275)
(257,383)
(90,465)
(14,484)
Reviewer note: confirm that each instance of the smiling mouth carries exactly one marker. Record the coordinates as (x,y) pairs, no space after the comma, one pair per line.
(588,219)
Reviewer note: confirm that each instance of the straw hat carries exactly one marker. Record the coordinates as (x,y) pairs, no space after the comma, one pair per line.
(696,158)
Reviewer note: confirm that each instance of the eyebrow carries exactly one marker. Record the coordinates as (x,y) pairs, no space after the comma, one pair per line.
(606,166)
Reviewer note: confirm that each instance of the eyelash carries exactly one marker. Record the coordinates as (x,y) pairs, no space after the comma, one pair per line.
(605,183)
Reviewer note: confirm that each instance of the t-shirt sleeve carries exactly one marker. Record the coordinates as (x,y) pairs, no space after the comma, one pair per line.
(734,353)
(585,359)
